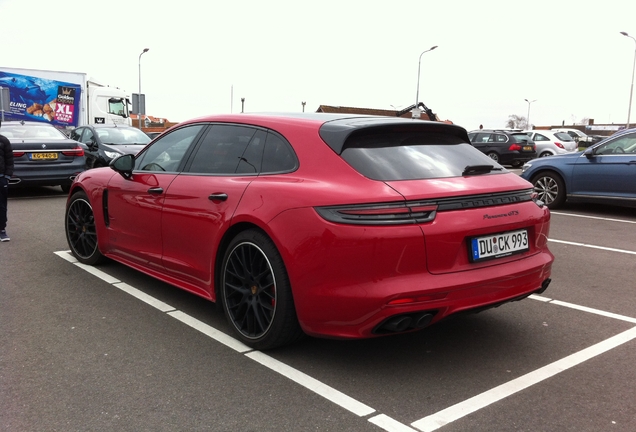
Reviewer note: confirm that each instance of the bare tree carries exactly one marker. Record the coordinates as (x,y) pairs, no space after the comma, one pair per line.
(517,122)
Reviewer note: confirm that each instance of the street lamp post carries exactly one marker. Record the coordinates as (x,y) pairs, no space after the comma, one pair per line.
(303,103)
(139,100)
(419,63)
(631,91)
(528,117)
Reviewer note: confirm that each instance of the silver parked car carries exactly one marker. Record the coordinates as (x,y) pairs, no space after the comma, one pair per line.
(550,143)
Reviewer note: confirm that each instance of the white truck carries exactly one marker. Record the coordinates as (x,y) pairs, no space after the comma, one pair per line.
(63,99)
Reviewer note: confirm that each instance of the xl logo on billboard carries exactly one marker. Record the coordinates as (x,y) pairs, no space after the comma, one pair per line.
(64,112)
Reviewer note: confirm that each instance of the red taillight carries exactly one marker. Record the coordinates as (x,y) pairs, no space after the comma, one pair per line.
(381,214)
(77,151)
(17,154)
(514,147)
(558,144)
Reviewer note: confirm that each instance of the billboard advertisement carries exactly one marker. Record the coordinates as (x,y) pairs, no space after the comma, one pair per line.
(44,100)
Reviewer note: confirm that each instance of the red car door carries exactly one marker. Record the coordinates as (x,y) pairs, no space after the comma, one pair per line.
(135,204)
(134,212)
(200,202)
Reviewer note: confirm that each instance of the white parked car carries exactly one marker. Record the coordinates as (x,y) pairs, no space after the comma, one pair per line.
(551,143)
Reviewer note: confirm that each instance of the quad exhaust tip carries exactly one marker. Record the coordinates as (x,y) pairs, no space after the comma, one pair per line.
(406,322)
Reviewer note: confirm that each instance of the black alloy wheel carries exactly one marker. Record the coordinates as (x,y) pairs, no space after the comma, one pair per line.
(494,156)
(81,232)
(256,293)
(550,189)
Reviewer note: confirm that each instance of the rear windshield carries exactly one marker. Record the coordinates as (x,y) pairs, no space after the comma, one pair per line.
(412,156)
(32,132)
(563,136)
(521,137)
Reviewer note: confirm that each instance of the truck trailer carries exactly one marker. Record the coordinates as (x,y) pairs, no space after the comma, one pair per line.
(63,99)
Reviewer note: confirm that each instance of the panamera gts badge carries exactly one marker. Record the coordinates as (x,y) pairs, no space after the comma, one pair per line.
(500,215)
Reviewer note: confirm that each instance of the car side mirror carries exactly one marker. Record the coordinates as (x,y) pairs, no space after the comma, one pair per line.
(124,165)
(589,153)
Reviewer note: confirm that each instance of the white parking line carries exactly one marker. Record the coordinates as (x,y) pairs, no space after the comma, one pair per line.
(429,423)
(462,409)
(593,246)
(593,217)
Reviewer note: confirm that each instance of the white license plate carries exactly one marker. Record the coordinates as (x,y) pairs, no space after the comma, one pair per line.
(498,245)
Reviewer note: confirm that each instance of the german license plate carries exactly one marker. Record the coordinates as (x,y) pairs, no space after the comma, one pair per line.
(527,148)
(498,245)
(43,156)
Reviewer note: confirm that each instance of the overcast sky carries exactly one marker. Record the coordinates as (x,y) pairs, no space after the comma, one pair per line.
(567,55)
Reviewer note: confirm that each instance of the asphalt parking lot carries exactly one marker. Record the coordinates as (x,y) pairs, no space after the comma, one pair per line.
(113,349)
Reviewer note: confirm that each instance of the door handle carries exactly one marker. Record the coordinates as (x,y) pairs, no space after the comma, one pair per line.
(155,191)
(218,197)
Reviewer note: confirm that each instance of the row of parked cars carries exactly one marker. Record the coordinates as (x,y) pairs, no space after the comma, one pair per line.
(45,156)
(605,172)
(515,147)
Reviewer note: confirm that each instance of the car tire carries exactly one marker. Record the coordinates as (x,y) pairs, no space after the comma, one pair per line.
(81,232)
(256,294)
(550,189)
(545,154)
(494,156)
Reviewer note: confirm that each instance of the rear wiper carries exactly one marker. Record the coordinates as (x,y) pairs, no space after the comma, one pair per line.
(479,169)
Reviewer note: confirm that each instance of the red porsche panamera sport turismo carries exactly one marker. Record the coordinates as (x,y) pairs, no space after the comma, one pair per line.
(326,225)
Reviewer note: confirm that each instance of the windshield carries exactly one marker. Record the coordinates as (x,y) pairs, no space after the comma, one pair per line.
(118,107)
(32,132)
(122,136)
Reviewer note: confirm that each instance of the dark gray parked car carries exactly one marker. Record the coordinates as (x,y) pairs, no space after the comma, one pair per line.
(104,143)
(43,155)
(504,146)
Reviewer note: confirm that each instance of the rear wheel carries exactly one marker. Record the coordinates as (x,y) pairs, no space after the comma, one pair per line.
(545,154)
(81,232)
(256,293)
(550,189)
(494,156)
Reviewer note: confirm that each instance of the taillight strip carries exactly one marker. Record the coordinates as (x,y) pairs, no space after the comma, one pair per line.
(412,212)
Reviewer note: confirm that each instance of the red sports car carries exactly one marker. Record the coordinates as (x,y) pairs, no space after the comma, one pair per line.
(318,224)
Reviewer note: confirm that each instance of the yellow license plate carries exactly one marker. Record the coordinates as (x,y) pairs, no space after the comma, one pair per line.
(527,148)
(43,156)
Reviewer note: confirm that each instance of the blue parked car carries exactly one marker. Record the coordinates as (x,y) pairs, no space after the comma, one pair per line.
(604,173)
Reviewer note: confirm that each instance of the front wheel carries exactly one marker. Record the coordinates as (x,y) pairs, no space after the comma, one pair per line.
(550,189)
(256,293)
(494,156)
(81,232)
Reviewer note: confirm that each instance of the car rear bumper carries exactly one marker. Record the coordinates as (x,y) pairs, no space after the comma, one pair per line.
(52,175)
(356,316)
(349,280)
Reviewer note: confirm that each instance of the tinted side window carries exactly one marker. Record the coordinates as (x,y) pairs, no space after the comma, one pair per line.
(278,156)
(166,153)
(221,149)
(501,138)
(482,138)
(250,162)
(87,136)
(76,134)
